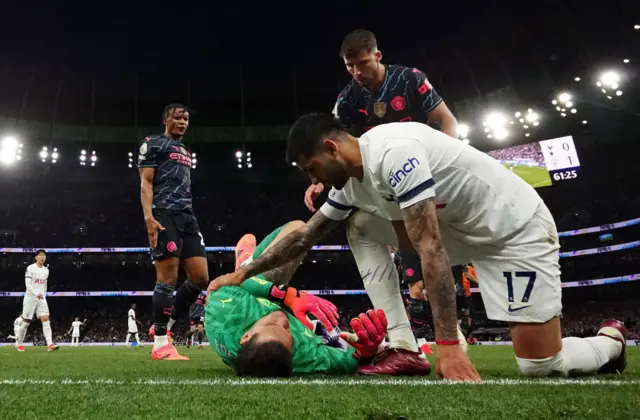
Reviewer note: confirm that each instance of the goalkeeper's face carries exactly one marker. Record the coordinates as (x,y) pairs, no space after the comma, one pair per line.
(273,327)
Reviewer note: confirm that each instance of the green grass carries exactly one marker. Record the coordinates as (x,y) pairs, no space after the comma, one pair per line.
(120,382)
(534,176)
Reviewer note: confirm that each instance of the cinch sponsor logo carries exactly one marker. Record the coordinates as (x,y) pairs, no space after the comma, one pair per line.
(396,177)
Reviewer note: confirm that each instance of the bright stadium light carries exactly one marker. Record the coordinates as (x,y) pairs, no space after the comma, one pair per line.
(239,154)
(577,79)
(294,164)
(194,161)
(130,165)
(463,130)
(564,97)
(501,133)
(239,166)
(496,120)
(10,150)
(625,61)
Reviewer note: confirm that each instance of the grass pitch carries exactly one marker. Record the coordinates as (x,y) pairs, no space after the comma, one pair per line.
(121,382)
(535,176)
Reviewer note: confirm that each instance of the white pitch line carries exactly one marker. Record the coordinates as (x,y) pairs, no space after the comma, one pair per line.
(314,382)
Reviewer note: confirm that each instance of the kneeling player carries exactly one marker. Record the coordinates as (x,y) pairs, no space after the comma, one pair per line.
(413,173)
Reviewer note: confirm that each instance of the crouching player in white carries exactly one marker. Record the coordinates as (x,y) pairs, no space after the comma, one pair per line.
(35,301)
(75,331)
(132,325)
(458,205)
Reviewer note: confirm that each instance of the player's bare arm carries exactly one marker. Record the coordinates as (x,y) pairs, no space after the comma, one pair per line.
(289,248)
(422,227)
(444,118)
(146,197)
(292,246)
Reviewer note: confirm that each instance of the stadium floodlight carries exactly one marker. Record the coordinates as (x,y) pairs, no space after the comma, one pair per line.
(496,120)
(45,155)
(10,150)
(239,166)
(249,165)
(294,164)
(584,122)
(501,133)
(625,61)
(463,130)
(577,79)
(239,154)
(130,165)
(636,27)
(618,93)
(564,97)
(573,110)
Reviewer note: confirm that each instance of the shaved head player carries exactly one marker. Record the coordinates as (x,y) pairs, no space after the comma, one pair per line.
(457,204)
(172,228)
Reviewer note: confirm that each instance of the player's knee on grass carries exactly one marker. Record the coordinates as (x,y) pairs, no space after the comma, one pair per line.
(264,359)
(550,366)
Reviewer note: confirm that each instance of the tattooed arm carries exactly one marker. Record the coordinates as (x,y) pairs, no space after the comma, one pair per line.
(291,246)
(422,227)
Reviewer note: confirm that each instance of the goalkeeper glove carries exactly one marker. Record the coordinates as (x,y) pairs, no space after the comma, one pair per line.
(302,304)
(368,332)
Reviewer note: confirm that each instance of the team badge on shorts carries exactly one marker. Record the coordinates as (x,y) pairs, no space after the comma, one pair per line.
(143,149)
(380,109)
(172,247)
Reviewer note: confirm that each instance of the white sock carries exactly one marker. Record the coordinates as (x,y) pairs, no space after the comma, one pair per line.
(22,332)
(127,339)
(160,341)
(170,323)
(379,274)
(137,338)
(46,330)
(578,357)
(587,355)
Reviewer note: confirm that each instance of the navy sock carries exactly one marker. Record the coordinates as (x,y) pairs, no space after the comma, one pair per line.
(162,304)
(185,296)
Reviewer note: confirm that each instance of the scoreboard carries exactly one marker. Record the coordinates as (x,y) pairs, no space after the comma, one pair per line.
(542,163)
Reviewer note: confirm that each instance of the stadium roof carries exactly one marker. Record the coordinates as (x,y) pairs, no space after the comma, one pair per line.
(260,64)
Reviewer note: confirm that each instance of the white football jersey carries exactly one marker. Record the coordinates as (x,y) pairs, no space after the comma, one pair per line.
(404,163)
(35,279)
(75,325)
(131,317)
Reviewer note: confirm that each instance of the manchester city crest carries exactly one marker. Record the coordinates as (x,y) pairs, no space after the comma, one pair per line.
(380,109)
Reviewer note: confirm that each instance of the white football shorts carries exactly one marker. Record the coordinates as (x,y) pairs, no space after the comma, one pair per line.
(32,305)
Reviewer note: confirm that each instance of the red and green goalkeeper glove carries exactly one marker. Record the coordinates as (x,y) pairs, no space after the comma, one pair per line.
(302,304)
(368,332)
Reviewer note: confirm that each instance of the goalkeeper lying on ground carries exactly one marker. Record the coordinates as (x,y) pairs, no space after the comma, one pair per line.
(248,327)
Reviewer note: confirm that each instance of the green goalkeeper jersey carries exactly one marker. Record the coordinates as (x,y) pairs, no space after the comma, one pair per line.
(232,310)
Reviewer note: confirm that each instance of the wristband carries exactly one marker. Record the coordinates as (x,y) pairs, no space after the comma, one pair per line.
(447,342)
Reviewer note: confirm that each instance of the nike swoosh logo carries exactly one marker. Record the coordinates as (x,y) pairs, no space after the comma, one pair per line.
(511,309)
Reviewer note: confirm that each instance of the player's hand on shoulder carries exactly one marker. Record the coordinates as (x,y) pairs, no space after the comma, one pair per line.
(153,227)
(453,364)
(311,194)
